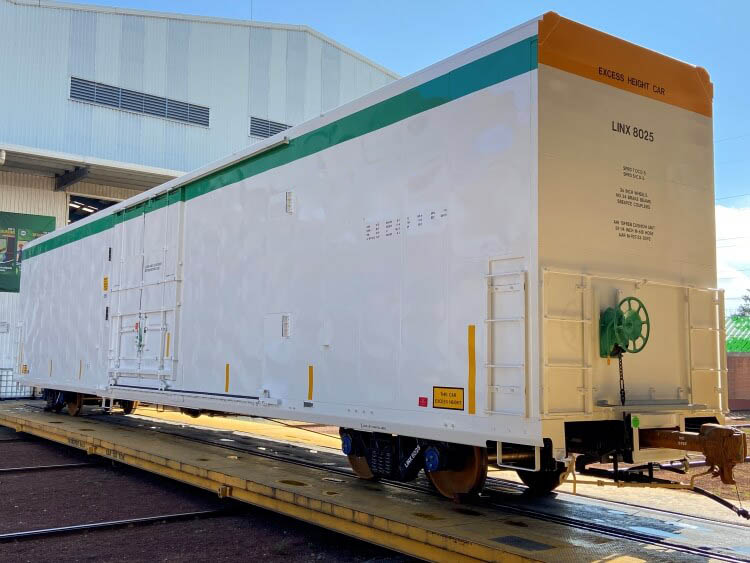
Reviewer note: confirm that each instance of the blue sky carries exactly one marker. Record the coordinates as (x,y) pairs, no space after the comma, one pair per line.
(408,35)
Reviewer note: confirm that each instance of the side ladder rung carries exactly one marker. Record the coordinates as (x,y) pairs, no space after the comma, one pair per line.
(567,319)
(504,320)
(505,389)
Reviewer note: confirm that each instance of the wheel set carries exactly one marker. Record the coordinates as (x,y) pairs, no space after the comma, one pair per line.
(56,401)
(455,471)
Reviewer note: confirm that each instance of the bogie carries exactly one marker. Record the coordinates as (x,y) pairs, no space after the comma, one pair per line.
(128,407)
(74,401)
(453,470)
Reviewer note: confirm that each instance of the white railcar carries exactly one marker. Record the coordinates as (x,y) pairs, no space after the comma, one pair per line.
(436,267)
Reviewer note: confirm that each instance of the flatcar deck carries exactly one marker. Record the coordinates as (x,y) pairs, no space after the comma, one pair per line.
(401,518)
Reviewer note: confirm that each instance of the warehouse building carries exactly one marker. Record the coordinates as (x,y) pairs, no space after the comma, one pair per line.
(102,103)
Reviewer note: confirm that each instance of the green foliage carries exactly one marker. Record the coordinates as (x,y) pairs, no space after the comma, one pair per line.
(738,334)
(744,309)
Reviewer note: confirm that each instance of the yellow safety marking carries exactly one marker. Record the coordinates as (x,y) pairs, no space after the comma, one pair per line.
(166,354)
(226,379)
(472,370)
(309,382)
(580,50)
(105,283)
(50,368)
(448,398)
(80,369)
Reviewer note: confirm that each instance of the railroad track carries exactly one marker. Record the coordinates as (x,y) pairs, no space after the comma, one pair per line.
(495,496)
(233,509)
(64,497)
(108,525)
(7,470)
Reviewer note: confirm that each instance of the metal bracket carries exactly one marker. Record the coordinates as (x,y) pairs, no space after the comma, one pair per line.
(63,181)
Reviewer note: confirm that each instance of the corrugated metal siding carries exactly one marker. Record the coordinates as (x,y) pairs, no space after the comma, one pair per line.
(237,70)
(25,193)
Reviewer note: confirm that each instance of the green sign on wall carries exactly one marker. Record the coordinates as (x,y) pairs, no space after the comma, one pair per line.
(17,229)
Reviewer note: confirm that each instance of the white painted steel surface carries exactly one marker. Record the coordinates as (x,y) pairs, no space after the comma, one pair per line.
(372,259)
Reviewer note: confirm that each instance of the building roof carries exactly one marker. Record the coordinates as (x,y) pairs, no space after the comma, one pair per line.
(738,335)
(202,19)
(71,168)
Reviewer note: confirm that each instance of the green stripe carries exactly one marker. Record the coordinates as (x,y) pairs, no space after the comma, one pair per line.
(496,67)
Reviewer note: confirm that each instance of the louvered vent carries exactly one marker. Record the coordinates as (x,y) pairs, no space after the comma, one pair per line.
(265,128)
(130,100)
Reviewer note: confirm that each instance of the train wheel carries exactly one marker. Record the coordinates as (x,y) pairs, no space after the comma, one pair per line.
(128,407)
(75,404)
(542,482)
(361,468)
(54,401)
(467,481)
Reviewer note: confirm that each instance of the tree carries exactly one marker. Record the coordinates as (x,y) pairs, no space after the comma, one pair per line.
(744,309)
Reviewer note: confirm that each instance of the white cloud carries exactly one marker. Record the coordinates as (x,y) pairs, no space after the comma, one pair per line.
(733,252)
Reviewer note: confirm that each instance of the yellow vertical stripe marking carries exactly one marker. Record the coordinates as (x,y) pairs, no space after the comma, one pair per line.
(50,368)
(80,369)
(309,382)
(166,353)
(472,370)
(226,379)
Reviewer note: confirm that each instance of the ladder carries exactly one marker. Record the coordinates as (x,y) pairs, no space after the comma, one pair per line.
(708,370)
(584,362)
(507,376)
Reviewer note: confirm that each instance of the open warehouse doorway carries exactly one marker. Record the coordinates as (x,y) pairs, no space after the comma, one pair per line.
(81,206)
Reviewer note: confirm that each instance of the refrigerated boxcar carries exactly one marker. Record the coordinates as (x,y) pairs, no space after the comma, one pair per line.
(507,257)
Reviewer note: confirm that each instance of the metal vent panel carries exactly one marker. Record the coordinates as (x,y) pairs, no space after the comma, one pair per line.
(178,110)
(154,105)
(265,128)
(198,115)
(82,90)
(107,95)
(131,101)
(140,102)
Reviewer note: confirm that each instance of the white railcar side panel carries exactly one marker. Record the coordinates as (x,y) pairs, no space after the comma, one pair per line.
(64,307)
(379,266)
(340,287)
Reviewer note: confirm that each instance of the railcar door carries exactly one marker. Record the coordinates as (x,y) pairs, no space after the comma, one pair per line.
(145,289)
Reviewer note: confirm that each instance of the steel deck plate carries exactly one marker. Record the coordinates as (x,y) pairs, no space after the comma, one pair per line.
(405,520)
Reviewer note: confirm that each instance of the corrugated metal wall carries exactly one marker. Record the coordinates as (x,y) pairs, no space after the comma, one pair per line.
(236,69)
(27,193)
